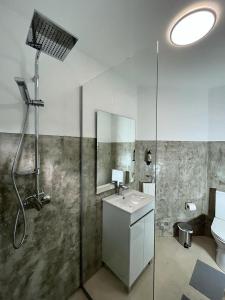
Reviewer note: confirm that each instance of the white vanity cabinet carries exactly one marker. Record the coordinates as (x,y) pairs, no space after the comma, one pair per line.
(128,234)
(141,245)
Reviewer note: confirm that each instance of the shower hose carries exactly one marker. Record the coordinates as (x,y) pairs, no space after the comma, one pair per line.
(20,209)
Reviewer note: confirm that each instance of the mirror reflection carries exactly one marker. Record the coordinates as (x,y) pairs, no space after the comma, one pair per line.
(115,150)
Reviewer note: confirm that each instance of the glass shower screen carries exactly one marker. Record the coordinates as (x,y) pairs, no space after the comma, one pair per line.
(118,179)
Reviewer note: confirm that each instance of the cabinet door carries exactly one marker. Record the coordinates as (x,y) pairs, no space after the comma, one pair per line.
(136,250)
(148,237)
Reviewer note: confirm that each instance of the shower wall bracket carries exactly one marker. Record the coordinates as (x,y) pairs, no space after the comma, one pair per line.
(37,103)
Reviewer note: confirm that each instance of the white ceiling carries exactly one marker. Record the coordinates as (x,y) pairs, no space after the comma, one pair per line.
(123,33)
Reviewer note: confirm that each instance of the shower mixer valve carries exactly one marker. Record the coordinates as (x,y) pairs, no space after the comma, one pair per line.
(33,202)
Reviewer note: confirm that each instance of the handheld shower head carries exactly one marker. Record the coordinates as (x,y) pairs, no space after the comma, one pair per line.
(23,89)
(46,36)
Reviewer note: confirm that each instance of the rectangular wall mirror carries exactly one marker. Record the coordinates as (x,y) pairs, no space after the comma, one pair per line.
(115,149)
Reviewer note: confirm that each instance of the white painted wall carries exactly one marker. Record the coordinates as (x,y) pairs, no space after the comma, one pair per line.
(216,108)
(183,114)
(111,93)
(191,113)
(59,81)
(146,124)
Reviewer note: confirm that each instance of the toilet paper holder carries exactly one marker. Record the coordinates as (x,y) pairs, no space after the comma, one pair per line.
(191,206)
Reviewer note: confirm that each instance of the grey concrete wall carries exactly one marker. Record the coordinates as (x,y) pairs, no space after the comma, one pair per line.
(181,177)
(47,265)
(216,165)
(92,210)
(181,174)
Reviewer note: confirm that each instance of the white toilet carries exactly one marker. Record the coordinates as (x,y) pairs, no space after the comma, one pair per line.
(218,229)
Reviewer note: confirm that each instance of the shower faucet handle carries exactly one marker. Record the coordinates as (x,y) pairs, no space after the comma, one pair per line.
(46,199)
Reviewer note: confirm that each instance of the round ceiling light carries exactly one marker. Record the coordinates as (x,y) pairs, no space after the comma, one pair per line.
(192,27)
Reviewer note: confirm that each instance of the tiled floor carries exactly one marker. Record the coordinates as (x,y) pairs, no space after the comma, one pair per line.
(175,264)
(174,267)
(79,295)
(110,288)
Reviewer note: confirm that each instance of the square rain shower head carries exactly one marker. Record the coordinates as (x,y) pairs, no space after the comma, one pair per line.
(46,36)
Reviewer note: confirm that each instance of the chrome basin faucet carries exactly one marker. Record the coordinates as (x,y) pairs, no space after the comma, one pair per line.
(121,188)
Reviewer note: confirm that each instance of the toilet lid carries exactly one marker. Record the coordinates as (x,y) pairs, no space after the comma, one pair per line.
(218,227)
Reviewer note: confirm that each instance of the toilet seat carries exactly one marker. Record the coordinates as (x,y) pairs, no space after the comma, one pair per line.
(218,228)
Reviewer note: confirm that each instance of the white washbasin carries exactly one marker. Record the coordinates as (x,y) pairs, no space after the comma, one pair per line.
(130,201)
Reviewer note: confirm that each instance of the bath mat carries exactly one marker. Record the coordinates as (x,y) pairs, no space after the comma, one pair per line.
(184,298)
(208,281)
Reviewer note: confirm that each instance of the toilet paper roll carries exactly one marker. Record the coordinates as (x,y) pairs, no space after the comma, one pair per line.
(191,206)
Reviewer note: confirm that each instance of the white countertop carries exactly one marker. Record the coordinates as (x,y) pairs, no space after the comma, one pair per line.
(130,201)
